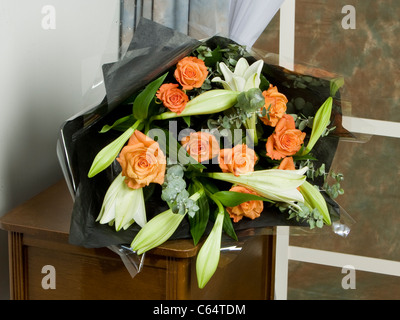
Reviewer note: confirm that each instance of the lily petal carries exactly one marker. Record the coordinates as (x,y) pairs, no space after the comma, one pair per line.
(224,83)
(122,205)
(139,216)
(252,82)
(241,67)
(244,78)
(256,67)
(238,83)
(226,72)
(125,205)
(107,212)
(276,185)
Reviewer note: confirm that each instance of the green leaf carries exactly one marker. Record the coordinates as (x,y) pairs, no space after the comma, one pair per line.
(142,102)
(208,185)
(128,120)
(198,222)
(233,199)
(304,157)
(228,226)
(264,85)
(212,59)
(187,120)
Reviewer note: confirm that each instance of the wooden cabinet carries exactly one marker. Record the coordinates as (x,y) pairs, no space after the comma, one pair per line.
(38,237)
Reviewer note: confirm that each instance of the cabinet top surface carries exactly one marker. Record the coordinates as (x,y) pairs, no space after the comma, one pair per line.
(48,215)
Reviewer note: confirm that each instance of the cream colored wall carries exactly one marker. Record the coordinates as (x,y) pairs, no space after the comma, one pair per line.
(51,53)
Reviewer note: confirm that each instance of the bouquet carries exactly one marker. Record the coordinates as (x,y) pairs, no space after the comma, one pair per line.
(217,142)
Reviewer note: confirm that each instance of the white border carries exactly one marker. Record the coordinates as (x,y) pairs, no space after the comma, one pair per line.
(373,127)
(340,260)
(287,34)
(286,60)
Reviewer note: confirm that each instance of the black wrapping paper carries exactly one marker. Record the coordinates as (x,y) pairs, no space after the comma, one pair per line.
(154,49)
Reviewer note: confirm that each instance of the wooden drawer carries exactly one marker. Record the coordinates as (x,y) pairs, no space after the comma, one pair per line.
(89,277)
(38,237)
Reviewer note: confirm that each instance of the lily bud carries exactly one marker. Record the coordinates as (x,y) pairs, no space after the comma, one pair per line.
(156,231)
(320,123)
(313,199)
(208,256)
(159,229)
(108,154)
(209,102)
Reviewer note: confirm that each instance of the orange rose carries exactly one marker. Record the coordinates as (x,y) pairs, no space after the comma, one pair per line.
(191,72)
(286,139)
(201,146)
(287,164)
(275,103)
(142,161)
(173,98)
(238,160)
(250,209)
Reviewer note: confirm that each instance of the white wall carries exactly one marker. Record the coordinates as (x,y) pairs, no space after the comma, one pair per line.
(46,76)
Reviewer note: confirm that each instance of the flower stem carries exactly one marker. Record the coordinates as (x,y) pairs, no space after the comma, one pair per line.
(251,126)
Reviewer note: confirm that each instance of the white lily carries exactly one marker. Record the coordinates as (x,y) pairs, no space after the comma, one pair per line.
(276,185)
(244,78)
(122,205)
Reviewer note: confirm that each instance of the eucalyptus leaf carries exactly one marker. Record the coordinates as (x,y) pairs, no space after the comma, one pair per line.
(250,101)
